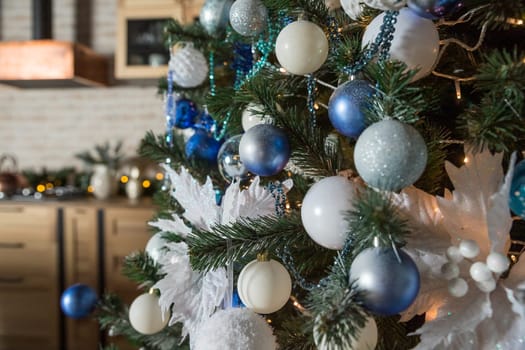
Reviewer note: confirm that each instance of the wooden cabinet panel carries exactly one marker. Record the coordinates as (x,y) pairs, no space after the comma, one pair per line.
(22,224)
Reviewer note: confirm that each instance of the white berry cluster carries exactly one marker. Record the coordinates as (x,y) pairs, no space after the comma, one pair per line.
(484,274)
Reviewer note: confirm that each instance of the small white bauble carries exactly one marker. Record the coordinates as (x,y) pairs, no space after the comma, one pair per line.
(145,314)
(497,262)
(469,248)
(416,41)
(189,67)
(252,116)
(155,245)
(366,337)
(234,329)
(264,286)
(454,255)
(457,287)
(450,270)
(480,272)
(324,209)
(487,286)
(301,47)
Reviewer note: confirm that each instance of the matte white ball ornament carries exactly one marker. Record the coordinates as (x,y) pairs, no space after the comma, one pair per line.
(301,47)
(416,41)
(252,116)
(469,248)
(235,328)
(324,208)
(366,337)
(146,316)
(454,254)
(264,286)
(497,262)
(457,287)
(189,67)
(480,272)
(487,286)
(155,245)
(450,270)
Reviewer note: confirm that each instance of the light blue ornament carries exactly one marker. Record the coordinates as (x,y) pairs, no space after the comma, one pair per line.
(214,16)
(78,301)
(517,190)
(345,108)
(229,161)
(264,150)
(389,282)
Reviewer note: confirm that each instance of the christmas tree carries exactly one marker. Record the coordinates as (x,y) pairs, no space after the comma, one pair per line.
(338,176)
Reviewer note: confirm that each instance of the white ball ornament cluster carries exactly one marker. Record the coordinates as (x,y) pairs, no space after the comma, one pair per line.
(323,211)
(264,286)
(301,47)
(415,42)
(146,316)
(483,273)
(235,329)
(189,67)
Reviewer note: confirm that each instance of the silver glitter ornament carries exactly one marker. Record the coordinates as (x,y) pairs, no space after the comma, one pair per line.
(390,155)
(214,16)
(229,160)
(248,17)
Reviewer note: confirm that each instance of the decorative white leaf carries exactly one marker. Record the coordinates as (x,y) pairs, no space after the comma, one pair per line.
(174,225)
(197,200)
(191,296)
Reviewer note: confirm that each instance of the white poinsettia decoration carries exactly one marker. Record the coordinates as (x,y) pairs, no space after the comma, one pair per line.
(193,296)
(486,312)
(354,8)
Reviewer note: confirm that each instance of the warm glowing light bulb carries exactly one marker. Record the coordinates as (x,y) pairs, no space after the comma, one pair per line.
(159,176)
(49,185)
(466,160)
(40,188)
(90,189)
(124,179)
(146,183)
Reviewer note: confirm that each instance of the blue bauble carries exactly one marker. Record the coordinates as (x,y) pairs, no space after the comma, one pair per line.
(229,160)
(264,150)
(202,146)
(517,190)
(214,16)
(185,113)
(389,285)
(345,108)
(78,301)
(433,9)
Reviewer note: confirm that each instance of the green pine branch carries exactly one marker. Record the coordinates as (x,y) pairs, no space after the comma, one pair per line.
(141,269)
(497,12)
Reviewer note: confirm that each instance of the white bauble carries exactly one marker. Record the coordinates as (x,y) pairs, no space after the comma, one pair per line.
(264,286)
(234,329)
(450,270)
(301,47)
(155,245)
(497,262)
(251,116)
(324,208)
(145,314)
(416,41)
(366,337)
(487,286)
(189,67)
(454,254)
(480,272)
(457,287)
(469,248)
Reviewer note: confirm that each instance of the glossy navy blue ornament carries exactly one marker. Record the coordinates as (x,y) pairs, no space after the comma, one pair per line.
(264,150)
(433,9)
(186,113)
(346,105)
(389,282)
(517,190)
(203,146)
(78,301)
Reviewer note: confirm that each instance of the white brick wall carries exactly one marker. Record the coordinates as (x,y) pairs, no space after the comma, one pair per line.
(46,127)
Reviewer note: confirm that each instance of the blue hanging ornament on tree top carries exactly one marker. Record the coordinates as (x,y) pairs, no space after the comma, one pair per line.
(264,150)
(186,113)
(345,108)
(389,280)
(433,9)
(78,301)
(202,145)
(517,190)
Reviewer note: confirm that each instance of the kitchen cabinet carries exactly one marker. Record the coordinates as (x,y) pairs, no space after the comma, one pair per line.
(29,277)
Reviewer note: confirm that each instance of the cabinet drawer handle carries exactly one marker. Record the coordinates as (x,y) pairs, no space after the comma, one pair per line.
(11,209)
(18,245)
(11,280)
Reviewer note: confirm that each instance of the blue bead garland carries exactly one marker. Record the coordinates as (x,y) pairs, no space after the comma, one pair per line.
(170,110)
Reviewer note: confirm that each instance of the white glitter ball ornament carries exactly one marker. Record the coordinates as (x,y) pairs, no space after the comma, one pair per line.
(301,47)
(248,17)
(235,329)
(189,67)
(390,155)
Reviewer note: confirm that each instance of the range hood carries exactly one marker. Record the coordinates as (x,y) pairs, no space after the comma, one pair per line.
(43,62)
